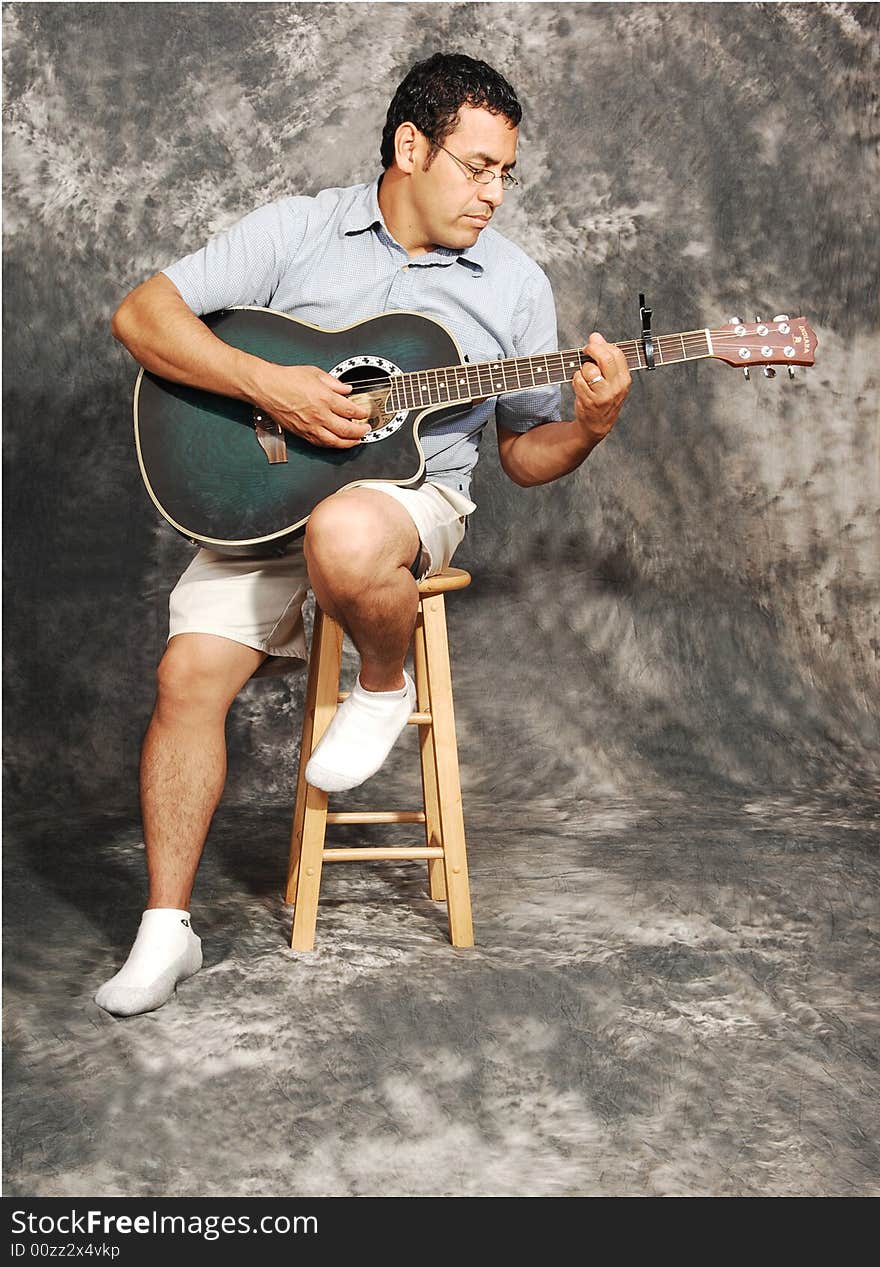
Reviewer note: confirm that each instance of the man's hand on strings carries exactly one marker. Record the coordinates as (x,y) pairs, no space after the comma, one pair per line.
(600,387)
(313,404)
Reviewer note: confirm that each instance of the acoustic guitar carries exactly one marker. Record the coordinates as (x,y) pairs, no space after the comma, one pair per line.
(231,479)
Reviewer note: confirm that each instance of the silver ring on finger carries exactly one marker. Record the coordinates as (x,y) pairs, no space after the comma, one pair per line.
(591,382)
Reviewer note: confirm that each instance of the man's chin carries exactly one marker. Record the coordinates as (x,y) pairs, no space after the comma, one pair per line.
(464,234)
(471,231)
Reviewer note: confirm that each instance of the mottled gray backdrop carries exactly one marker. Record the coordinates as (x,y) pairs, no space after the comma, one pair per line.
(666,669)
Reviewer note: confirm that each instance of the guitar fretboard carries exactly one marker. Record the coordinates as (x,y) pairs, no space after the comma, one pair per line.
(454,383)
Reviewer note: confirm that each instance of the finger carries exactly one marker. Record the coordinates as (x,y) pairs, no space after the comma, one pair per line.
(335,384)
(609,360)
(343,424)
(330,440)
(350,423)
(602,354)
(586,394)
(356,408)
(589,378)
(340,407)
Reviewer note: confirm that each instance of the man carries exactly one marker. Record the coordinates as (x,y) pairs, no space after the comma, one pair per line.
(417,239)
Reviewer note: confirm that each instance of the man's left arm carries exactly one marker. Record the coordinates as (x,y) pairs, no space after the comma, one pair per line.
(553,449)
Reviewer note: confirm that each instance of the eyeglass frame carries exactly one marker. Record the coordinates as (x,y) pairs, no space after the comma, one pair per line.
(477,172)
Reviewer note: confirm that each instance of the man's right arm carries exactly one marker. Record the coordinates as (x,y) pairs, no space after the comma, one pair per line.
(164,336)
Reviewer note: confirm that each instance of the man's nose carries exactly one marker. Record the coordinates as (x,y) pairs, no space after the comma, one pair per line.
(493,193)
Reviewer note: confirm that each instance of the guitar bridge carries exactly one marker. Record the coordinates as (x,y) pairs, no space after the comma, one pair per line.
(270,437)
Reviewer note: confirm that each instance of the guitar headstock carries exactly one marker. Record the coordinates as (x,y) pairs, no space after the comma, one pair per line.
(783,341)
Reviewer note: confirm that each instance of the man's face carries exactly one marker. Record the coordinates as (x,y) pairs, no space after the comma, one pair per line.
(450,208)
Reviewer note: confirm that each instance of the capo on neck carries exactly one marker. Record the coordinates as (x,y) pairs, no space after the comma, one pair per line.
(645,315)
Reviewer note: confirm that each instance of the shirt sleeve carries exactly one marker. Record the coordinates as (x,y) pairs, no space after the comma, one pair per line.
(242,265)
(534,332)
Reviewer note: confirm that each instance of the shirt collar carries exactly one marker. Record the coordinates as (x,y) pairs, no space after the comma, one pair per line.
(364,214)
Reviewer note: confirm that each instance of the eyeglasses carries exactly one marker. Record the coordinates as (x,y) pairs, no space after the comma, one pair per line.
(482,175)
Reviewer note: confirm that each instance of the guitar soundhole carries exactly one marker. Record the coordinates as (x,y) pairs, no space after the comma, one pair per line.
(375,377)
(369,377)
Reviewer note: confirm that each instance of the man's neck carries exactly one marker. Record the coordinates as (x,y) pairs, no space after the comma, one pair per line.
(398,216)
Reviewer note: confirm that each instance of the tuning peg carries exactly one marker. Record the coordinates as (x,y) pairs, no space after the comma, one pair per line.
(781,316)
(746,374)
(735,321)
(769,372)
(790,371)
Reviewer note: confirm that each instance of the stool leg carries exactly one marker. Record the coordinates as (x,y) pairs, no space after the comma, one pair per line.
(433,827)
(306,748)
(327,640)
(461,932)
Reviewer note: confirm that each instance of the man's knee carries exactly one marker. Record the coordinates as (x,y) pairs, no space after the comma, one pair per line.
(358,533)
(204,672)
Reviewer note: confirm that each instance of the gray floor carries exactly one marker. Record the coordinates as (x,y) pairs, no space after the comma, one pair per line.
(667,995)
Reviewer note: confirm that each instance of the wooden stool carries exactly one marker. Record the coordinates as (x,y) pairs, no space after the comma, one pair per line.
(444,846)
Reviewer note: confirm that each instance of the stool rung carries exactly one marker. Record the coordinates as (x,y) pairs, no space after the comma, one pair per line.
(414,719)
(380,855)
(341,817)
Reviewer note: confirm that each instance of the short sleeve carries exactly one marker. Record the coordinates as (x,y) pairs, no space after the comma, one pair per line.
(242,265)
(534,331)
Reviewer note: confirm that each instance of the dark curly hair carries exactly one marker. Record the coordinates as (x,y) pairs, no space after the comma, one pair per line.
(434,91)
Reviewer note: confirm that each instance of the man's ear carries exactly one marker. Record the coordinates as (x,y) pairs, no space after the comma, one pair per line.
(406,142)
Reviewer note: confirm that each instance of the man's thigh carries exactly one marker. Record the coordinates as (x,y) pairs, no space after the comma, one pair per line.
(255,602)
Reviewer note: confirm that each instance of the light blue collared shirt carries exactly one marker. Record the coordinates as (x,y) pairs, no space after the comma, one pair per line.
(331,261)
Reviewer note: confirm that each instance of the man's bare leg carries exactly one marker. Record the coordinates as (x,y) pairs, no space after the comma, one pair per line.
(359,547)
(183,762)
(183,769)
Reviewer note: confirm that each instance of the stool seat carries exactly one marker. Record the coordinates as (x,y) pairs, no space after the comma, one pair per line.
(450,579)
(444,848)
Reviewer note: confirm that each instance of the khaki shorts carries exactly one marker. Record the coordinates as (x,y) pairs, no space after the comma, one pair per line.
(259,602)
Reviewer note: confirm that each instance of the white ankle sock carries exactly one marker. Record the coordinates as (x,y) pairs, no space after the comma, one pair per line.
(165,951)
(360,736)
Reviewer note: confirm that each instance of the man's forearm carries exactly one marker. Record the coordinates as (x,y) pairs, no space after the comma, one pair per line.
(164,336)
(167,338)
(548,452)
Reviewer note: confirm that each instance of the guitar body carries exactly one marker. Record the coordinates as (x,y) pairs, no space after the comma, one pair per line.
(200,457)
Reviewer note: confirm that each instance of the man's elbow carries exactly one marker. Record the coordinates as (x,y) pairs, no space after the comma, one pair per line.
(516,478)
(118,321)
(137,312)
(125,320)
(511,469)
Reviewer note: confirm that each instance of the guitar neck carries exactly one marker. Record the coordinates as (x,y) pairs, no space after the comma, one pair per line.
(456,383)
